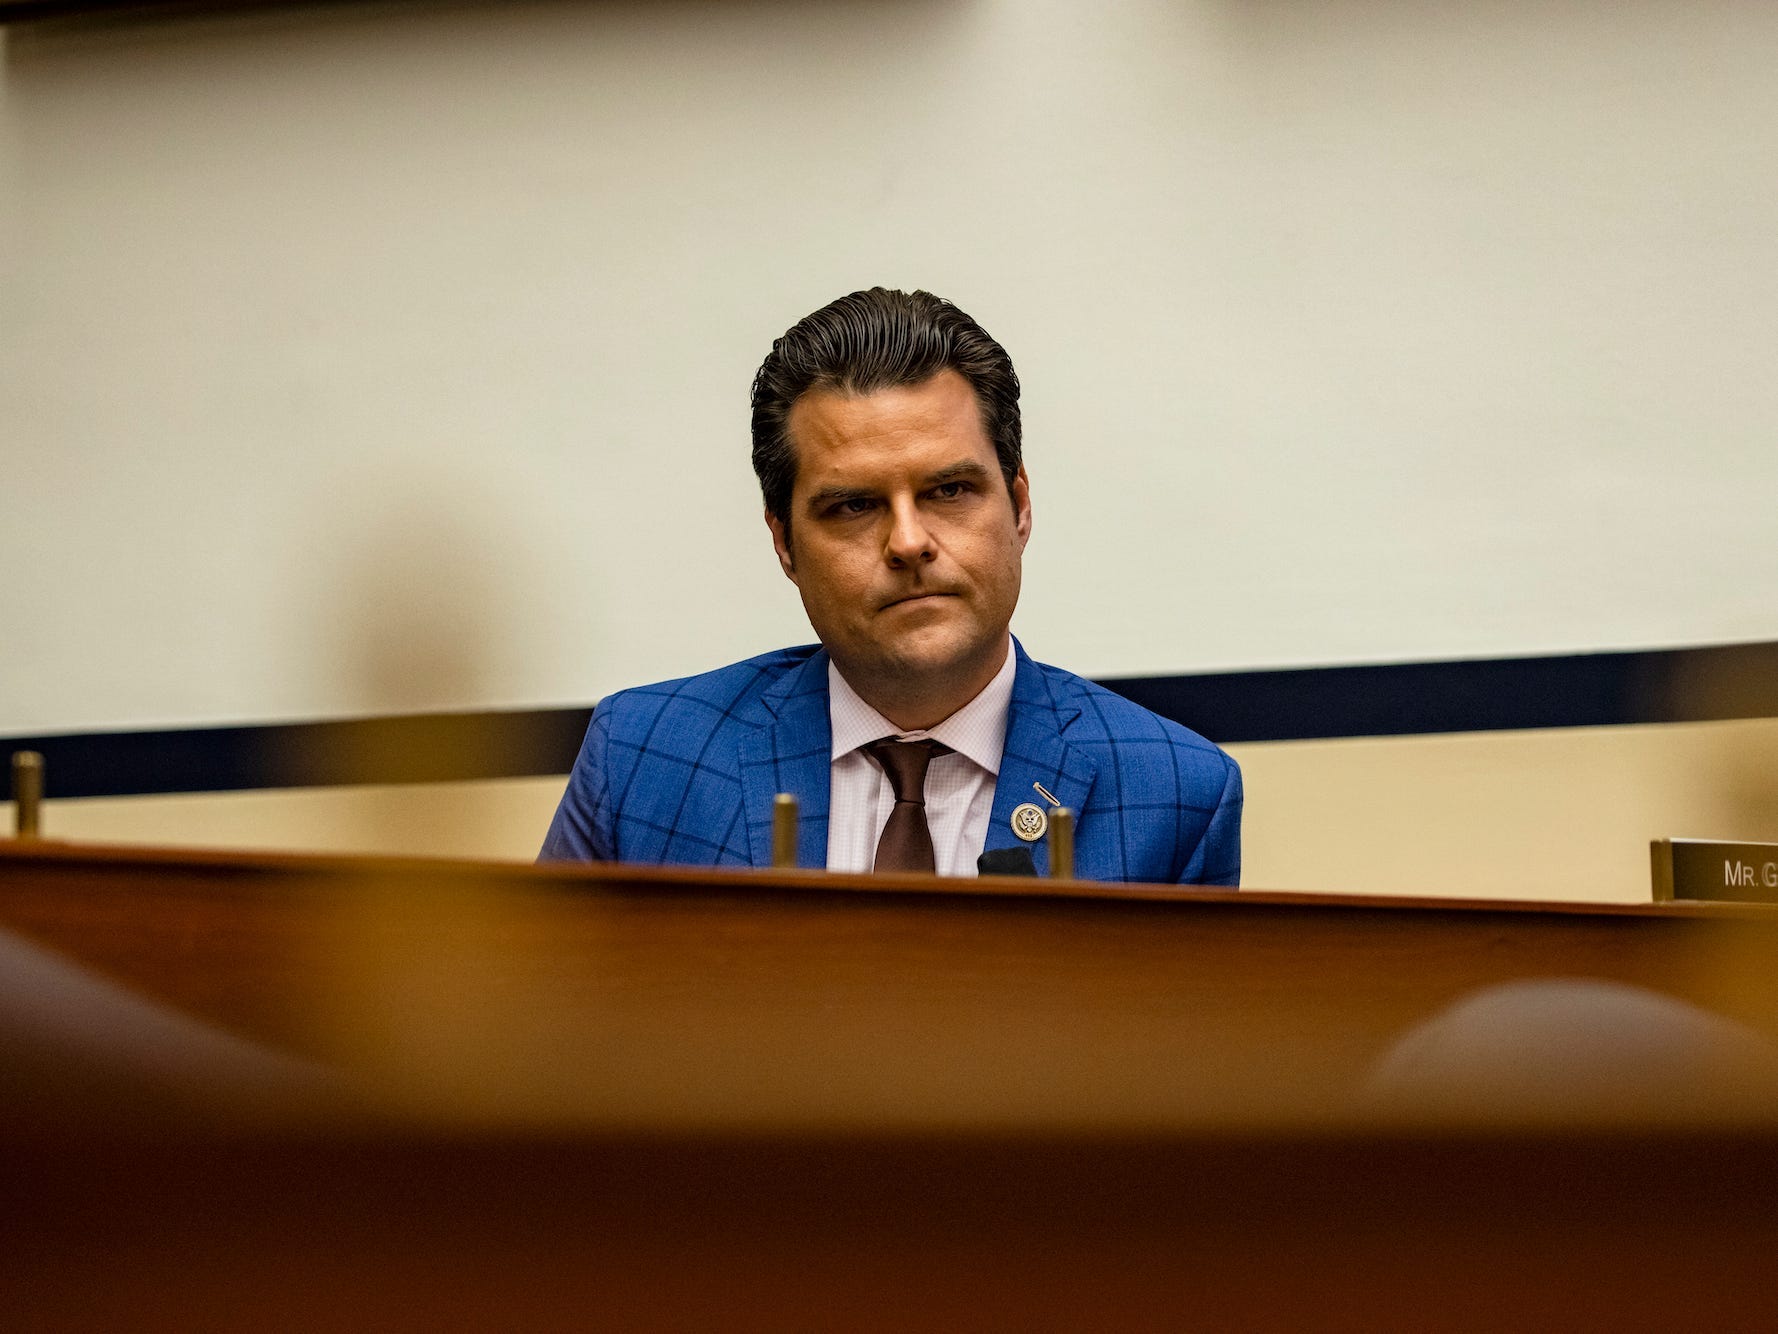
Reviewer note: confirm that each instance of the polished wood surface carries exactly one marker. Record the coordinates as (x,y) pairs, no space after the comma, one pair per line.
(624,996)
(651,1099)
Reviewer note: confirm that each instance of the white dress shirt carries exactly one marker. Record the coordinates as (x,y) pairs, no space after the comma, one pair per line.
(959,786)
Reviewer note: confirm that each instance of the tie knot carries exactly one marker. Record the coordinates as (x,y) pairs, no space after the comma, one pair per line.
(905,762)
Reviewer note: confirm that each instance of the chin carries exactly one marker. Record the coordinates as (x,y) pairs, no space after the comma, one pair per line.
(932,655)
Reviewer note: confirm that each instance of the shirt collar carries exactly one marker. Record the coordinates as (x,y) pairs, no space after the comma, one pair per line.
(976,731)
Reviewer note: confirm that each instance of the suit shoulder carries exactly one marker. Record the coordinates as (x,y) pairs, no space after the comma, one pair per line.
(727,693)
(1107,717)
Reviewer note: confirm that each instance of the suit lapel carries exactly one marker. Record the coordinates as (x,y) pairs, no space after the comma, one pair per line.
(1036,753)
(791,753)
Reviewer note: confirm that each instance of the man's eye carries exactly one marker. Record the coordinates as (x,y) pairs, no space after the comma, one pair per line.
(847,509)
(950,490)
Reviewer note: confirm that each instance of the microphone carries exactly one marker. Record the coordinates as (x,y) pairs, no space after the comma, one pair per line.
(1006,861)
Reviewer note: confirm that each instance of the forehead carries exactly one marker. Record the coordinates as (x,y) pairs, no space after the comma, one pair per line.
(935,423)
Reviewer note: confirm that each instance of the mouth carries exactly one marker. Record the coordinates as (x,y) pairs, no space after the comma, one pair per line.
(915,599)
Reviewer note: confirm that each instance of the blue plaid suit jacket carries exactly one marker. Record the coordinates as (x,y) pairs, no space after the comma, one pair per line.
(684,773)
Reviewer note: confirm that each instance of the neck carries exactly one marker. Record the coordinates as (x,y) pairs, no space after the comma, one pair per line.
(919,705)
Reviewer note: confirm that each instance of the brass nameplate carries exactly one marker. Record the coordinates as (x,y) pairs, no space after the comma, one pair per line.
(1696,868)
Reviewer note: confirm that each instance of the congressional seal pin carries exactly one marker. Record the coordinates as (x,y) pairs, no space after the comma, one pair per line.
(1029,822)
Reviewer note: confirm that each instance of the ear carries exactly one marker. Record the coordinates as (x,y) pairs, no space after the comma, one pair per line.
(781,544)
(1021,504)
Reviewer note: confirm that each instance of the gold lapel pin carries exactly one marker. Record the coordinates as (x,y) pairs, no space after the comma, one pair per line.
(1029,822)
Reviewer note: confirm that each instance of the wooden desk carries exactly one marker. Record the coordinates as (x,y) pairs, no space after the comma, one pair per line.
(641,997)
(656,1099)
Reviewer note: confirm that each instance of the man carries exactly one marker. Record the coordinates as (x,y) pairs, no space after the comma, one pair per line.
(918,733)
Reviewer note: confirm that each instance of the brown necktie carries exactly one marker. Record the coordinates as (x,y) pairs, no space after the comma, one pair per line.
(906,844)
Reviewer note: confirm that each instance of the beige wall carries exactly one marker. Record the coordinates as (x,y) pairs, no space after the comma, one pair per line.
(1539,815)
(1561,814)
(393,357)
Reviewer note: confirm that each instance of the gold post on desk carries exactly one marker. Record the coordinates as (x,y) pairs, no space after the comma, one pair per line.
(27,793)
(1061,843)
(783,830)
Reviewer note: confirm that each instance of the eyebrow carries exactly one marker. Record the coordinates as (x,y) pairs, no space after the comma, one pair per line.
(967,471)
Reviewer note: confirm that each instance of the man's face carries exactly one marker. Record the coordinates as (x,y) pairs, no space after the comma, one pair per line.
(904,543)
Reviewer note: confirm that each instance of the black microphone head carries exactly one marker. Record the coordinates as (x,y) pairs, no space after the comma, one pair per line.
(1006,861)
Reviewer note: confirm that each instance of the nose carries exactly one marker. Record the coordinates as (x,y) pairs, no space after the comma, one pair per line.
(910,541)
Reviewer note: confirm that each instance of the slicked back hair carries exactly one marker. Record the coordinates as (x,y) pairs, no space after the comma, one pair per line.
(869,341)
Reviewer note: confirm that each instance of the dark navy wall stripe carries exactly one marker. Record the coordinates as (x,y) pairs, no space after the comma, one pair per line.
(1584,690)
(427,748)
(93,13)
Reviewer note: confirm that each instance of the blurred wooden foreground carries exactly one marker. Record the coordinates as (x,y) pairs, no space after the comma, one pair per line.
(670,1099)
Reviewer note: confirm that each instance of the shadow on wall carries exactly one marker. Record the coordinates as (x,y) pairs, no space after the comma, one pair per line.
(1745,772)
(421,608)
(1749,777)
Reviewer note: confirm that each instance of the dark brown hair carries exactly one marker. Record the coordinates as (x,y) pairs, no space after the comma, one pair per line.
(872,340)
